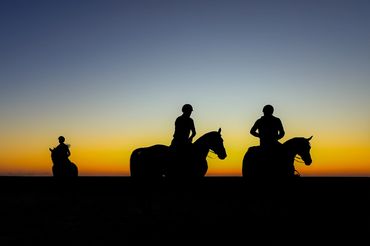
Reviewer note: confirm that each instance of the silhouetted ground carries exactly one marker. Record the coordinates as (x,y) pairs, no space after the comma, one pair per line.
(227,210)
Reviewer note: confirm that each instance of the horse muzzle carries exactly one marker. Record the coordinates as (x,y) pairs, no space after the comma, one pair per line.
(222,156)
(308,162)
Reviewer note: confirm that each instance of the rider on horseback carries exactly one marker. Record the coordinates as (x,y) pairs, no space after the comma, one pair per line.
(268,129)
(62,151)
(184,132)
(62,166)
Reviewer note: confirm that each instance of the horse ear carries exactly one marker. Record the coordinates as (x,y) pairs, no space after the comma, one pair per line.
(309,138)
(219,130)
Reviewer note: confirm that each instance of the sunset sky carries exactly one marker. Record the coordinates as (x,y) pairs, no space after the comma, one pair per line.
(111,76)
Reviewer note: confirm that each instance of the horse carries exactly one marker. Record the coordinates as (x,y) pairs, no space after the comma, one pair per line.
(62,166)
(161,161)
(279,162)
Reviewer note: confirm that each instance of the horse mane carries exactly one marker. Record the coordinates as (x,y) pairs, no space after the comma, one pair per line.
(206,135)
(295,140)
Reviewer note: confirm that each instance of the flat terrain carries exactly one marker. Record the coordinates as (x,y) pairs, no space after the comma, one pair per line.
(227,210)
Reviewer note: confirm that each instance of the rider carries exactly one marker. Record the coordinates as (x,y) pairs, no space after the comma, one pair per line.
(62,149)
(184,130)
(268,129)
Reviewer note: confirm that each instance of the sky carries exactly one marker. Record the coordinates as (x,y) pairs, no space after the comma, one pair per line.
(112,76)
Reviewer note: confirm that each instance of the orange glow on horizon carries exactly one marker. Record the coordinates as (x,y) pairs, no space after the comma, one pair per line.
(109,156)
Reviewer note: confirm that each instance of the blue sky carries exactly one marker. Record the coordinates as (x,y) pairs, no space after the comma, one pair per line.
(106,70)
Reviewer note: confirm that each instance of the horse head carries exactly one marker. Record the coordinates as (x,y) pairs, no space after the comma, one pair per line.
(216,144)
(304,150)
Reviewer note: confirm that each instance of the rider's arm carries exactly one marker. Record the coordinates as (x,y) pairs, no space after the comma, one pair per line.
(193,132)
(281,130)
(68,153)
(254,129)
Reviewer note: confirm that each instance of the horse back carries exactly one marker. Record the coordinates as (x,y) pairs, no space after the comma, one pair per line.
(272,163)
(149,161)
(250,161)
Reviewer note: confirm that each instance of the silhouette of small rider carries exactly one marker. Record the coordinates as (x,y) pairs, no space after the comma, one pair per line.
(184,131)
(61,151)
(268,129)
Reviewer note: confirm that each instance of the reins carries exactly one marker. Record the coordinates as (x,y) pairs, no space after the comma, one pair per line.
(298,159)
(211,156)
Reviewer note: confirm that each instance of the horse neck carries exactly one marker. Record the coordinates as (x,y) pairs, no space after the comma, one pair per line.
(201,146)
(291,147)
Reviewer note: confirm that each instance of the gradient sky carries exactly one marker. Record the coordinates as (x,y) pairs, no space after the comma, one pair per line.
(111,76)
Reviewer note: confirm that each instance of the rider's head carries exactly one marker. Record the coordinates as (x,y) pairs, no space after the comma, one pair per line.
(61,139)
(187,109)
(268,110)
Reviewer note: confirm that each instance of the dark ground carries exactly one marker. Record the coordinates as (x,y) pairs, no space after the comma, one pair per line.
(224,210)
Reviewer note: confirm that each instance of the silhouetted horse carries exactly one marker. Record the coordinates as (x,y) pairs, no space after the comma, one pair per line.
(62,166)
(278,162)
(161,161)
